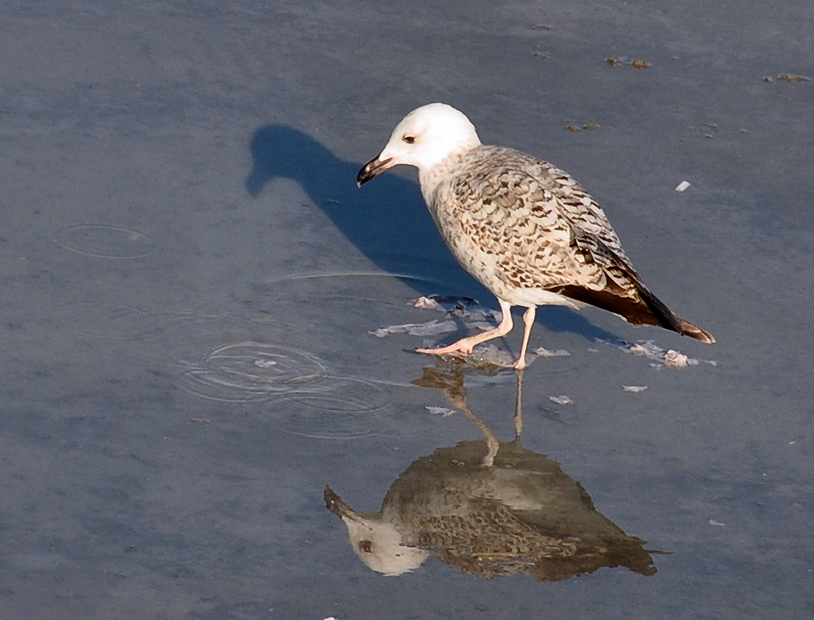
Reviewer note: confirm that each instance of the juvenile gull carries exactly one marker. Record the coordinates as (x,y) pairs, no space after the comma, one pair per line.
(523,228)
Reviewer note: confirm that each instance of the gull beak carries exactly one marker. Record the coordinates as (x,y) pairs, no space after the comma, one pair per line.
(373,168)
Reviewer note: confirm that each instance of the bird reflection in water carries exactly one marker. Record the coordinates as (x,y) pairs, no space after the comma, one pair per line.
(488,509)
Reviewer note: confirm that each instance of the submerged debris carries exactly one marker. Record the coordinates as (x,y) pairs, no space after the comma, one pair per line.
(587,126)
(430,328)
(475,315)
(444,412)
(674,359)
(613,63)
(455,305)
(490,355)
(424,303)
(785,77)
(649,349)
(543,352)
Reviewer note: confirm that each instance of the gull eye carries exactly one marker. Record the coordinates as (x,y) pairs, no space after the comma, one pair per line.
(409,139)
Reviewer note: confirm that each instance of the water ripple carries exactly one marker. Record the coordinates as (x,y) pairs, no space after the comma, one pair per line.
(104,241)
(249,371)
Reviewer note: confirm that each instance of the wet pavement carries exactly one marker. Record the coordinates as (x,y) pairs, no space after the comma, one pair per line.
(208,330)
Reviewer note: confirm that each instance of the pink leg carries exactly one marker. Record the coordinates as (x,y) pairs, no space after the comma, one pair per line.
(528,321)
(465,345)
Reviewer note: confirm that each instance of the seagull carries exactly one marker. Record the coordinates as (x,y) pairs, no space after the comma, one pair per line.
(523,228)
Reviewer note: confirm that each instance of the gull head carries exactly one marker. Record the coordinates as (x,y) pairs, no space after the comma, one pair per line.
(426,137)
(376,539)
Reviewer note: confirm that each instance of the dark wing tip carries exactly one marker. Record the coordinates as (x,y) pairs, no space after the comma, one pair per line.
(693,331)
(670,321)
(641,309)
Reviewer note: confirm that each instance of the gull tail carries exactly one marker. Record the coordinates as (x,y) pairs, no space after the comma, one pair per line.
(627,296)
(670,321)
(638,306)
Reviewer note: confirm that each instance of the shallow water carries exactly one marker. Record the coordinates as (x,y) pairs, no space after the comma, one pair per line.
(193,284)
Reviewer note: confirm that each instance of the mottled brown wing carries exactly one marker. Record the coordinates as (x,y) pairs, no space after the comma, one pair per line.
(542,230)
(539,240)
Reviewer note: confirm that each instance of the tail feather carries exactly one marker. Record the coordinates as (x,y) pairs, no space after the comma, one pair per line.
(693,331)
(670,321)
(641,309)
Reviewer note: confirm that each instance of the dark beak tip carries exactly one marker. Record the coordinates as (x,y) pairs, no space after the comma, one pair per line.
(364,175)
(371,170)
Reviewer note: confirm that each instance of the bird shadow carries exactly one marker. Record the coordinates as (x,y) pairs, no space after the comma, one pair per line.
(386,221)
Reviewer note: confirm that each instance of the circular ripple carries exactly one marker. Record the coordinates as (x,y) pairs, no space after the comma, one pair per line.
(250,371)
(215,387)
(333,315)
(273,366)
(103,241)
(338,408)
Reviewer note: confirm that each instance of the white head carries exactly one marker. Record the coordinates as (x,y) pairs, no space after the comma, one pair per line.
(427,136)
(376,540)
(379,545)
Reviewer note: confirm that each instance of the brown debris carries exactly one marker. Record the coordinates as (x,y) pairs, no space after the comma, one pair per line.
(613,63)
(785,77)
